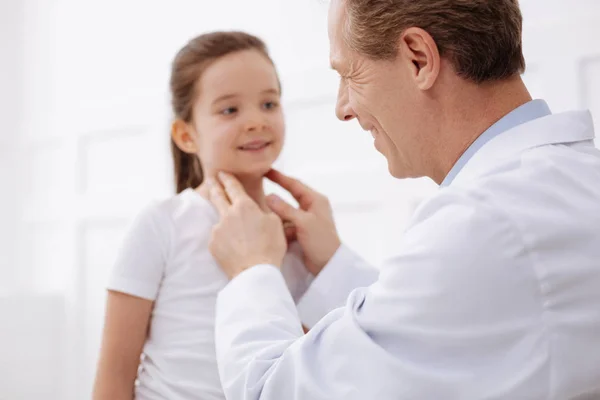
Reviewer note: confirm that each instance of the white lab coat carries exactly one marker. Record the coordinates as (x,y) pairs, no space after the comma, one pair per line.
(493,292)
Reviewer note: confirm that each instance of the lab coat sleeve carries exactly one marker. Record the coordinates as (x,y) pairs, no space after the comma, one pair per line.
(263,354)
(330,289)
(450,317)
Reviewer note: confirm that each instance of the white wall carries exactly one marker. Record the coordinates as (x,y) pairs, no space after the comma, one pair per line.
(10,102)
(32,328)
(84,146)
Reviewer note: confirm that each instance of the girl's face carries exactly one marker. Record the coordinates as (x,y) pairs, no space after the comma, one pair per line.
(238,123)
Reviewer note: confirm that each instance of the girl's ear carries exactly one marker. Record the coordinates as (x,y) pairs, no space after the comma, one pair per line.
(184,137)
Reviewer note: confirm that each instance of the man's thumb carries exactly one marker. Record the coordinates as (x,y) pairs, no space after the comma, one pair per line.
(285,211)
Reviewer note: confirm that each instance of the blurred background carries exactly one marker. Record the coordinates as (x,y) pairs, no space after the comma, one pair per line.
(85,116)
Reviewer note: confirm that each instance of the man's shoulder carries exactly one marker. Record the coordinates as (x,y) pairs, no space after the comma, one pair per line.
(461,224)
(543,195)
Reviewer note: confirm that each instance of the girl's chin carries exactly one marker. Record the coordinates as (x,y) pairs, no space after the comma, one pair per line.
(255,172)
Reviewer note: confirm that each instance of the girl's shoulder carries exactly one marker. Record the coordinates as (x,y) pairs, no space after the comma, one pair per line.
(179,215)
(188,204)
(164,226)
(190,208)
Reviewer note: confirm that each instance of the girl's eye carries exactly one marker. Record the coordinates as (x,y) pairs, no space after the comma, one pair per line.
(270,105)
(229,111)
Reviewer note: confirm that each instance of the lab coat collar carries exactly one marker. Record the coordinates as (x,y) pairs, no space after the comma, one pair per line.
(569,127)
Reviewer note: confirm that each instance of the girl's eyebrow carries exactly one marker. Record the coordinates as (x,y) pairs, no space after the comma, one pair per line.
(233,95)
(225,97)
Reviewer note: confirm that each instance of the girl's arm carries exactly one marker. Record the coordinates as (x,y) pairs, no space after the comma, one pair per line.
(125,331)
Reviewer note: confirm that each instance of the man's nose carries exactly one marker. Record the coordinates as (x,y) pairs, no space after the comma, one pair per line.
(343,110)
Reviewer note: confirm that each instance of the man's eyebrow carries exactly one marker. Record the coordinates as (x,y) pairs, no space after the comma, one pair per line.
(342,68)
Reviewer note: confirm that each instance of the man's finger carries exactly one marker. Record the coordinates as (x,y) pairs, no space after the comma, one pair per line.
(217,197)
(302,193)
(233,188)
(285,211)
(290,232)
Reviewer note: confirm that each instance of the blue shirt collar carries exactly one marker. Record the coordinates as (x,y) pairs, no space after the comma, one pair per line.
(520,115)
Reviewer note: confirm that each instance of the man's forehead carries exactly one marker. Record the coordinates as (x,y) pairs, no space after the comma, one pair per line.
(336,42)
(336,15)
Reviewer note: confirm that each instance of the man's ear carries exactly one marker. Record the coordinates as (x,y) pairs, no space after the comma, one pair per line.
(184,136)
(418,49)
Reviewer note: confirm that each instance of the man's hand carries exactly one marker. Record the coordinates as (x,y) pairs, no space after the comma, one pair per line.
(313,222)
(245,236)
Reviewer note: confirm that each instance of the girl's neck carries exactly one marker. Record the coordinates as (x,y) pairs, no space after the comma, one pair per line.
(252,185)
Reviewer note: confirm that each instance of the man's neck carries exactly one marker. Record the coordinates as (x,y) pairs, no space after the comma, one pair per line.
(471,111)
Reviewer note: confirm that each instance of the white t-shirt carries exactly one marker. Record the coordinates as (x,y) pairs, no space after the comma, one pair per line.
(165,258)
